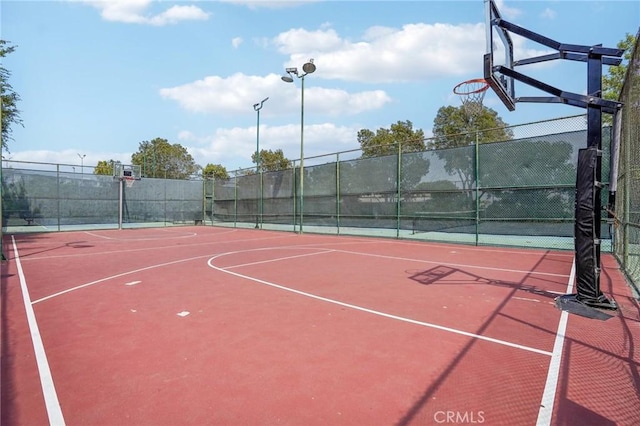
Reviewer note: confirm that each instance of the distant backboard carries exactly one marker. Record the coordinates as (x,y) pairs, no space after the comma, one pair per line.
(499,53)
(126,171)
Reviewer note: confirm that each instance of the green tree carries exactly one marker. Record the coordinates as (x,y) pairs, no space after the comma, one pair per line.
(272,161)
(159,158)
(612,83)
(104,168)
(536,180)
(8,98)
(385,141)
(216,171)
(453,128)
(374,177)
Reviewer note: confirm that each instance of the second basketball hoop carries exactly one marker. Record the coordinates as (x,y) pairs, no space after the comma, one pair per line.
(472,93)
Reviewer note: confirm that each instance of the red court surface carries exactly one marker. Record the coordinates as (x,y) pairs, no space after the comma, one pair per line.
(202,325)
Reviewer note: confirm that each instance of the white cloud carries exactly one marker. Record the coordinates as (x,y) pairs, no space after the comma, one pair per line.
(301,40)
(236,42)
(179,13)
(233,147)
(268,4)
(507,12)
(234,94)
(548,14)
(133,12)
(67,157)
(415,52)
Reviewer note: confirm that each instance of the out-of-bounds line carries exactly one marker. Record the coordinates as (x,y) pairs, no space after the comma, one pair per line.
(551,385)
(379,313)
(46,379)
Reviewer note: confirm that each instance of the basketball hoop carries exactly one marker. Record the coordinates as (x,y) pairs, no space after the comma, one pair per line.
(471,93)
(129,180)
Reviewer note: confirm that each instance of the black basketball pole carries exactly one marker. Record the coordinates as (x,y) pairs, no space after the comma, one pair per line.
(588,204)
(588,264)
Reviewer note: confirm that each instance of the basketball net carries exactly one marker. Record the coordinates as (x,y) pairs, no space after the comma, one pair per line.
(129,181)
(471,93)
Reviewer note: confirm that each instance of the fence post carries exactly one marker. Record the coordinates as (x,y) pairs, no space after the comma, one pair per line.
(294,194)
(338,193)
(235,200)
(58,194)
(2,257)
(398,189)
(477,179)
(261,200)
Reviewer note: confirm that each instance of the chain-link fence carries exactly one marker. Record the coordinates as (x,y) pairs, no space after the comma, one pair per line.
(51,197)
(627,214)
(518,191)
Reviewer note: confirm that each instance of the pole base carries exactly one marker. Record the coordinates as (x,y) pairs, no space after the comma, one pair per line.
(589,309)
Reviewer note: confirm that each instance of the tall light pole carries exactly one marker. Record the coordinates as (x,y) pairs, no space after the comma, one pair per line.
(82,163)
(257,107)
(307,68)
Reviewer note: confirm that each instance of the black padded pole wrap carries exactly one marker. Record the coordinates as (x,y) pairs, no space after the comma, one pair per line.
(587,231)
(587,192)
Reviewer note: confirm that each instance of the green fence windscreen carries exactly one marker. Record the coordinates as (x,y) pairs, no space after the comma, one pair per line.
(627,212)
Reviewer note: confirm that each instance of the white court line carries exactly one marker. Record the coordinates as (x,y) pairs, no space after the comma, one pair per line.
(379,313)
(279,259)
(163,237)
(311,247)
(46,379)
(457,247)
(122,250)
(462,265)
(146,268)
(550,387)
(78,287)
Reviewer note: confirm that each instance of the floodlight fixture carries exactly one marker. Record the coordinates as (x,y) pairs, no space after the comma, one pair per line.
(81,162)
(309,67)
(258,106)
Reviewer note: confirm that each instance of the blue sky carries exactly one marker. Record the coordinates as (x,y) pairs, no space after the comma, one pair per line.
(97,78)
